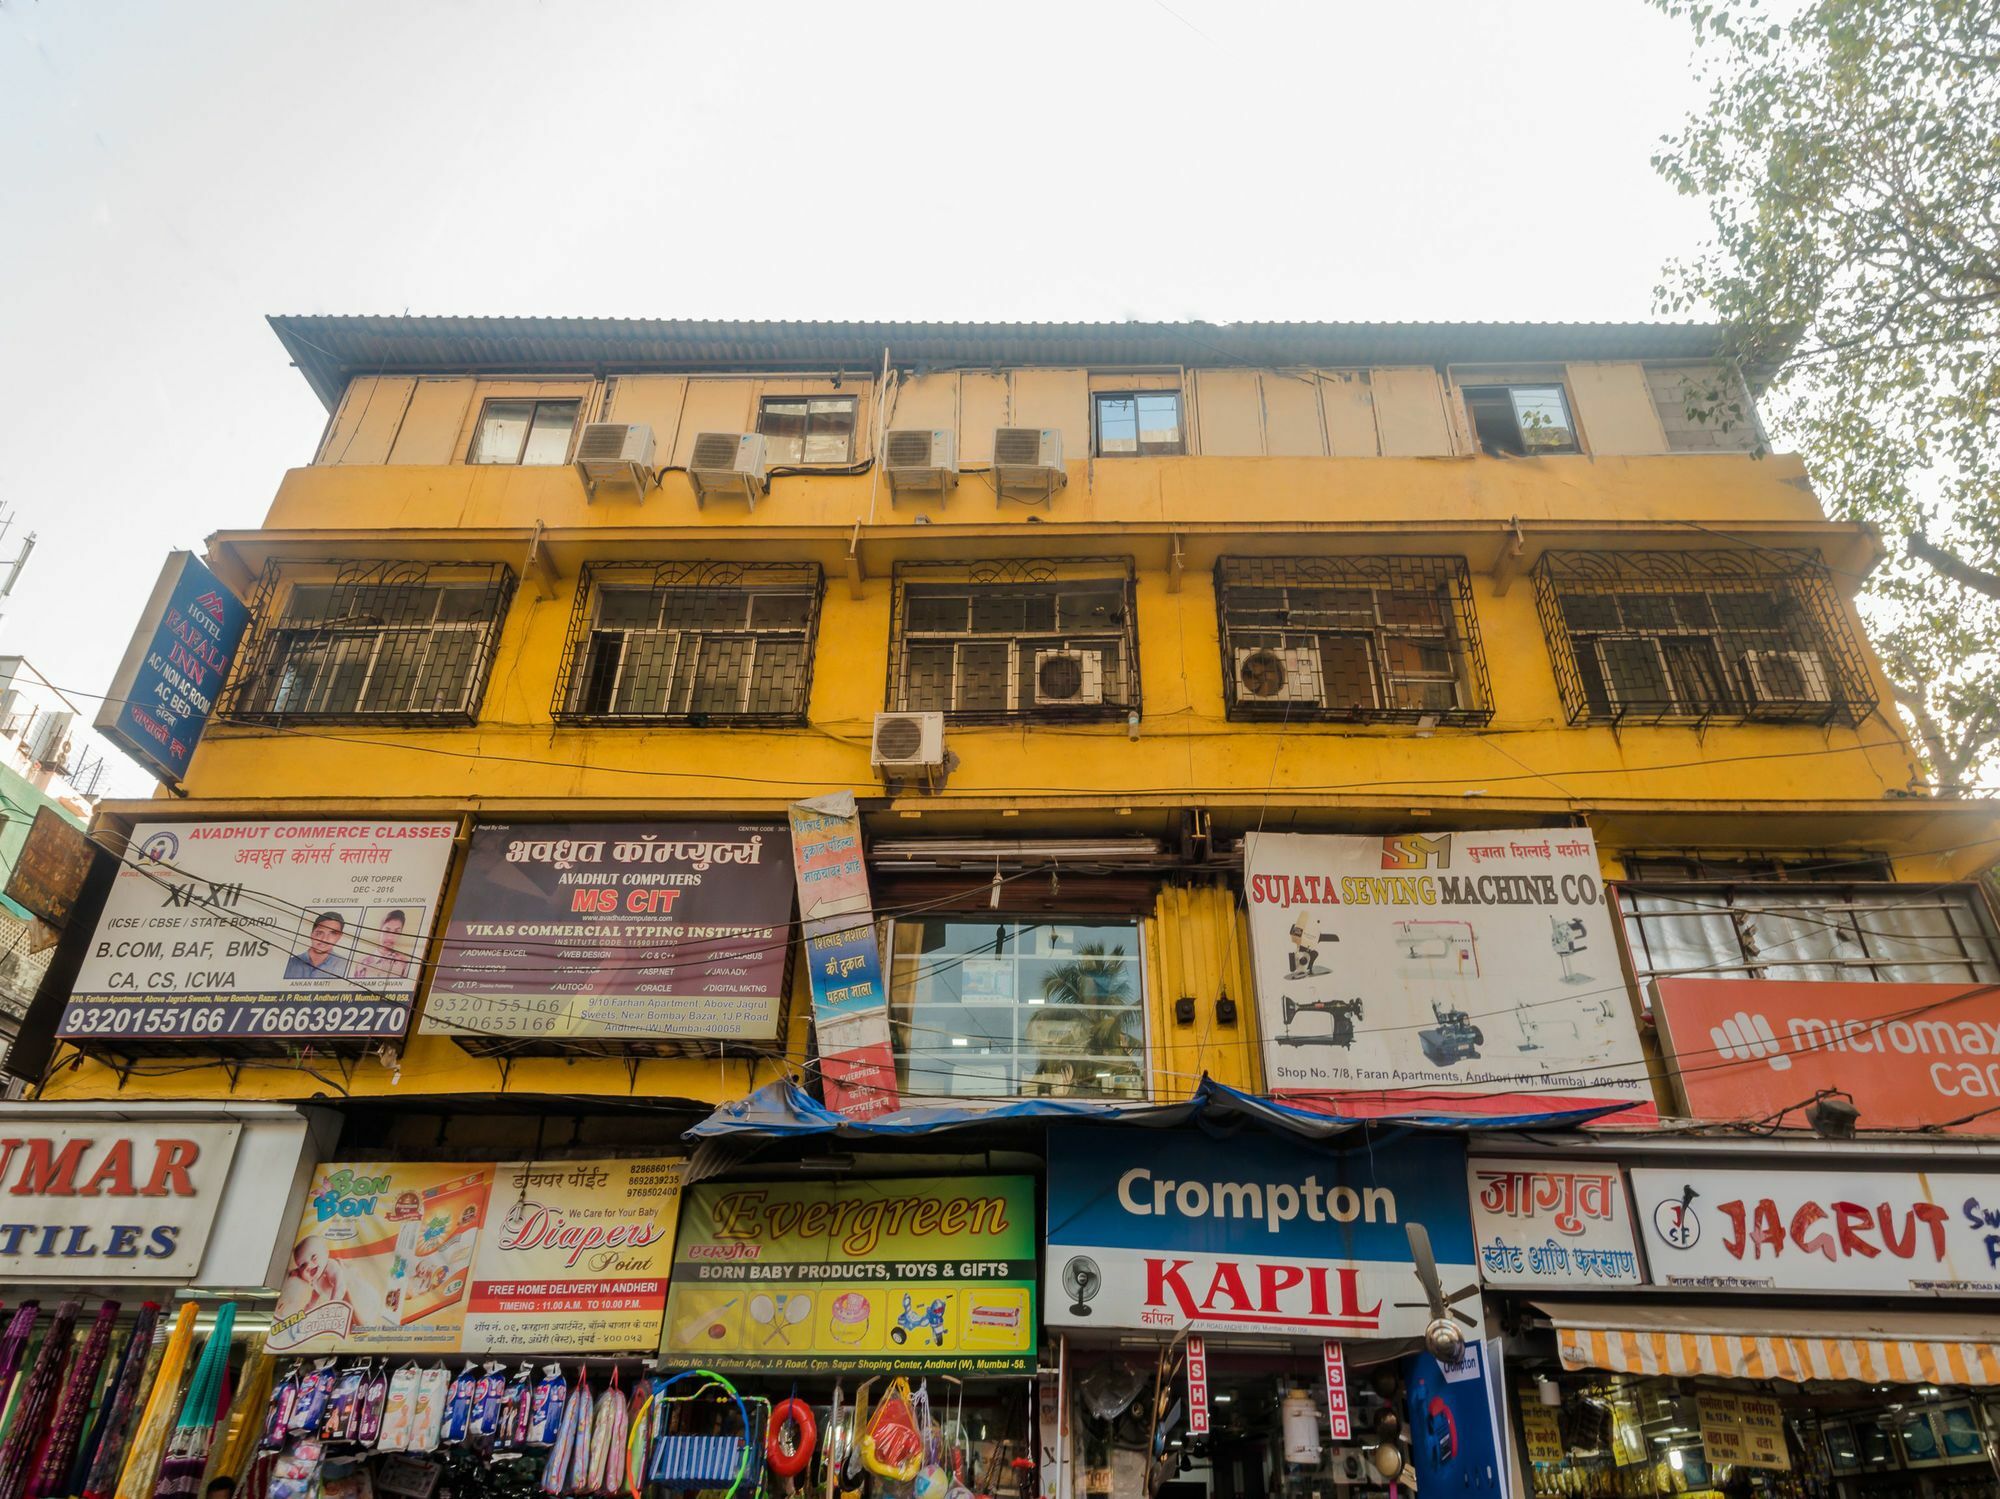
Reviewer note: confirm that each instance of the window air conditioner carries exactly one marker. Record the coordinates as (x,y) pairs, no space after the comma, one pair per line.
(617,454)
(909,746)
(920,460)
(1267,674)
(1786,677)
(728,463)
(1028,462)
(1068,679)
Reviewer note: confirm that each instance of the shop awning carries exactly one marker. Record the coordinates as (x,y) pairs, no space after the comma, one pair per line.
(1876,1345)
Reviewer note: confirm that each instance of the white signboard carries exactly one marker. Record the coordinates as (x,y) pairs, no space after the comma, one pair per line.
(1540,1223)
(1934,1232)
(1470,973)
(262,929)
(92,1201)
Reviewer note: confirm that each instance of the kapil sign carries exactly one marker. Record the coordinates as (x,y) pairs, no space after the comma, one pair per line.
(1178,1231)
(1935,1233)
(1551,1223)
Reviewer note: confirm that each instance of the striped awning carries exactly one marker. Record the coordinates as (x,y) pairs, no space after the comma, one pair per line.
(1759,1342)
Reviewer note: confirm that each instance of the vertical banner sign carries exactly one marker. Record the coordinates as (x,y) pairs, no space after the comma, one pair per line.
(1336,1391)
(1468,973)
(1197,1378)
(837,920)
(180,656)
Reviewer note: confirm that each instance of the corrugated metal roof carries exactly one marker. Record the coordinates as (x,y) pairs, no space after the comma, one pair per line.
(329,350)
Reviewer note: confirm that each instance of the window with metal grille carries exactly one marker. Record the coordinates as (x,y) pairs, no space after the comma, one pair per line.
(807,431)
(1909,934)
(363,641)
(1524,421)
(1351,640)
(1692,636)
(524,431)
(1137,423)
(690,642)
(1015,639)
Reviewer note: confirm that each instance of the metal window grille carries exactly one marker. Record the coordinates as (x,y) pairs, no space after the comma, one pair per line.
(1351,640)
(690,643)
(1019,638)
(1697,636)
(389,642)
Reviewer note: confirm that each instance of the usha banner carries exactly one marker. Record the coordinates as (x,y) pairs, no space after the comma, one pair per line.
(1461,973)
(856,1277)
(180,656)
(1173,1230)
(1545,1223)
(843,959)
(525,1257)
(642,931)
(1934,1233)
(1911,1056)
(300,930)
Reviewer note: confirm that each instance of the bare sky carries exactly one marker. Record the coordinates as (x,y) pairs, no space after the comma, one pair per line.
(172,171)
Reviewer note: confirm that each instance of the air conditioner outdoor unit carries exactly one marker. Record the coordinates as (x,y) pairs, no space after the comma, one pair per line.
(48,739)
(1028,462)
(1786,677)
(1272,674)
(909,747)
(617,454)
(728,463)
(920,460)
(1068,679)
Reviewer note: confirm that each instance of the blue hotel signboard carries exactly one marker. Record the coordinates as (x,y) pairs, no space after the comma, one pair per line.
(178,660)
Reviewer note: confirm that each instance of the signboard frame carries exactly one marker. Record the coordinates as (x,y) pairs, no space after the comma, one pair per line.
(49,872)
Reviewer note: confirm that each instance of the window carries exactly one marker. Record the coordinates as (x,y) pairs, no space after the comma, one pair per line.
(1015,639)
(523,431)
(1909,934)
(1691,636)
(372,640)
(690,642)
(1522,420)
(1137,423)
(1372,639)
(993,1008)
(807,431)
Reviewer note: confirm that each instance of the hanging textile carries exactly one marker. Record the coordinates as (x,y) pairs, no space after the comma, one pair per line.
(106,1449)
(142,1457)
(38,1397)
(14,1349)
(51,1473)
(244,1423)
(194,1431)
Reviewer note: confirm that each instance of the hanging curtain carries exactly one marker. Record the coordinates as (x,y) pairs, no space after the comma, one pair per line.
(38,1397)
(51,1472)
(142,1459)
(99,1461)
(194,1432)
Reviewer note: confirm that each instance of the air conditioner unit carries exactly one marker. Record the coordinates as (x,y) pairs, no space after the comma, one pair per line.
(908,746)
(48,739)
(1028,462)
(920,460)
(1786,677)
(728,463)
(618,454)
(1272,674)
(1068,679)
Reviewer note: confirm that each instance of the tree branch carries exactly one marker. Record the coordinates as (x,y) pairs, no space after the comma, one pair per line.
(1953,566)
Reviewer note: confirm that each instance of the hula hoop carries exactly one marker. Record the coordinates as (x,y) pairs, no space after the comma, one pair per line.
(742,1415)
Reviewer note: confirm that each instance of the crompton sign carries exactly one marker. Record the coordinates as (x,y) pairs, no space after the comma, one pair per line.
(110,1200)
(1181,1232)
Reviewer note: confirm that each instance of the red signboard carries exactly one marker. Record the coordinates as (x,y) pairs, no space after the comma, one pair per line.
(1197,1378)
(1911,1056)
(1336,1392)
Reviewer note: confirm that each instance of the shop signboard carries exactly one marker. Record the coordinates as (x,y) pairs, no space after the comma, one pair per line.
(1175,1231)
(49,871)
(179,657)
(1197,1387)
(1770,1229)
(843,959)
(1543,1223)
(1469,973)
(641,931)
(525,1257)
(868,1277)
(1540,1429)
(1911,1056)
(1745,1430)
(91,1200)
(1340,1420)
(299,931)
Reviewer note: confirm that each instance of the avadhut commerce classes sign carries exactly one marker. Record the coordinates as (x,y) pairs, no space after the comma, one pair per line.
(642,931)
(1174,1230)
(1470,973)
(524,1257)
(262,929)
(873,1276)
(180,655)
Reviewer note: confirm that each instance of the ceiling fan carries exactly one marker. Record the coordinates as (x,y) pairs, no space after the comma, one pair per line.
(1441,1336)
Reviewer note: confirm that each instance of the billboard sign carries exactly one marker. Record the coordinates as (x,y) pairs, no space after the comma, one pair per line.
(180,656)
(843,959)
(1173,1230)
(1545,1223)
(1911,1056)
(49,871)
(652,931)
(294,930)
(1461,973)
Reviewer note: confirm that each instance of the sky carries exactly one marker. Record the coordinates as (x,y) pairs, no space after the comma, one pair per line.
(171,172)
